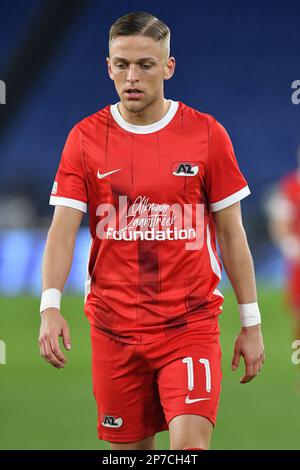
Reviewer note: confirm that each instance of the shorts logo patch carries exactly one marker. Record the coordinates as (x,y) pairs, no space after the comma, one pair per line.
(184,169)
(111,422)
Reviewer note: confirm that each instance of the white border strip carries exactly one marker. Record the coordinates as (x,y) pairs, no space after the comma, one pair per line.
(228,201)
(218,292)
(154,127)
(213,260)
(67,202)
(87,284)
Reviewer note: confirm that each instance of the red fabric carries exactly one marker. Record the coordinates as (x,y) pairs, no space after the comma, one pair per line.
(290,190)
(71,179)
(140,289)
(293,286)
(223,177)
(141,388)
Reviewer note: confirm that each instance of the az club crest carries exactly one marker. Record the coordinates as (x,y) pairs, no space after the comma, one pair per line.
(184,169)
(111,422)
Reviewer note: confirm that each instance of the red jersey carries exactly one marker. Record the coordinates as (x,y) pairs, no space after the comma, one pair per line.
(290,194)
(150,192)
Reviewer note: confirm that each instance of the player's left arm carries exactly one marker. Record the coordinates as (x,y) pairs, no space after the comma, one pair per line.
(238,263)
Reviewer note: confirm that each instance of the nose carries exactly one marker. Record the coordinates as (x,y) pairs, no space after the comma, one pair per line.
(132,75)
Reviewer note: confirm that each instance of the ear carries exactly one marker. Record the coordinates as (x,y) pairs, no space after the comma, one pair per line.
(109,68)
(170,68)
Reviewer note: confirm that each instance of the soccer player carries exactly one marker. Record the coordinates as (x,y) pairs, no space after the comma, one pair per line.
(160,181)
(284,222)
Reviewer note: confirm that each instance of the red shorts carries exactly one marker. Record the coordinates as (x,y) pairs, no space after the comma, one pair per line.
(139,388)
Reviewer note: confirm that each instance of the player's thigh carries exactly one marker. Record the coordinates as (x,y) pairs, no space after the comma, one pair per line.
(145,444)
(190,381)
(190,431)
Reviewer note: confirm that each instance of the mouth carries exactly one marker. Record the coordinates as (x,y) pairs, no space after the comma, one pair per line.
(133,93)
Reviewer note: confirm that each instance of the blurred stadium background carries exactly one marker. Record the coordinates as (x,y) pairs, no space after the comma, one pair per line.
(236,61)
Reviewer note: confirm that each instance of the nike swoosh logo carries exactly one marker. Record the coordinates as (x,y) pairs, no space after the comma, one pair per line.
(188,400)
(100,176)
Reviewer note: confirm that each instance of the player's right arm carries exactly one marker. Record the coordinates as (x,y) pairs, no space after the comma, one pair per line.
(57,262)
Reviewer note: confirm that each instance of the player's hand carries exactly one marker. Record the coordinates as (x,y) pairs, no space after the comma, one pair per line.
(53,325)
(249,344)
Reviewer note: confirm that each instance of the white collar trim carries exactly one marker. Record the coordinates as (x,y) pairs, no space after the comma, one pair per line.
(154,127)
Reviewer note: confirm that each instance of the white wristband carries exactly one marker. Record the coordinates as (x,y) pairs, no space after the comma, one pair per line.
(249,314)
(50,298)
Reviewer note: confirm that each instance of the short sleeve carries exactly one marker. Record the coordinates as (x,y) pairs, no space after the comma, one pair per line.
(225,184)
(69,188)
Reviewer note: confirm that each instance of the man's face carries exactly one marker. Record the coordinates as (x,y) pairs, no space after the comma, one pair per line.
(139,64)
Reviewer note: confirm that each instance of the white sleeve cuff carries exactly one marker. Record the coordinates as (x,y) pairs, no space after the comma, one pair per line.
(232,199)
(67,202)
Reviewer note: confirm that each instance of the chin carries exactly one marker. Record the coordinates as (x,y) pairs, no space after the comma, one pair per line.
(134,106)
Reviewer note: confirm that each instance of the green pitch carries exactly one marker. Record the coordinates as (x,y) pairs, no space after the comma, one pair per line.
(45,408)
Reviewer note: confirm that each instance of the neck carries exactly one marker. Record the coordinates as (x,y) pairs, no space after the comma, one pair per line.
(152,113)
